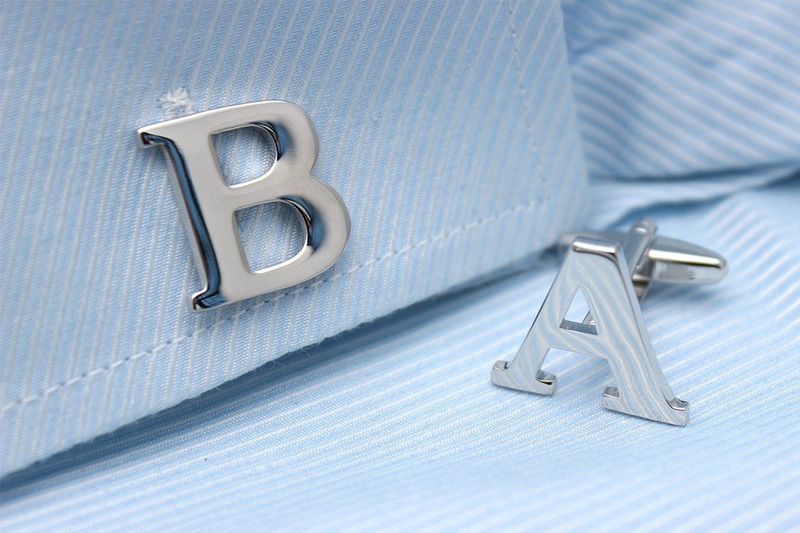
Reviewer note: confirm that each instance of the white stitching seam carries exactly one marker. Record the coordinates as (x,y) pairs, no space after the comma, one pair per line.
(178,340)
(521,83)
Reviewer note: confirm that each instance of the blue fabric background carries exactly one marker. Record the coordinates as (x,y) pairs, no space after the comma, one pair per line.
(396,427)
(690,114)
(448,129)
(676,89)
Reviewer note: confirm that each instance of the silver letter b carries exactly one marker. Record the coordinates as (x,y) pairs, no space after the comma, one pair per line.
(211,204)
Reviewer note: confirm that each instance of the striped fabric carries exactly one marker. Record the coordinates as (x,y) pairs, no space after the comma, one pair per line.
(690,114)
(396,427)
(685,88)
(448,128)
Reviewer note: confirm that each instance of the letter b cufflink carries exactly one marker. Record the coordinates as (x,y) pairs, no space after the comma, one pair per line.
(210,204)
(614,271)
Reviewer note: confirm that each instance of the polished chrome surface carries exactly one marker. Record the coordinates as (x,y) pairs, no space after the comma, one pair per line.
(614,271)
(210,204)
(664,259)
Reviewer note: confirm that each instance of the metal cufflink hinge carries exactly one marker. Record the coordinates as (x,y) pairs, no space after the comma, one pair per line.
(614,271)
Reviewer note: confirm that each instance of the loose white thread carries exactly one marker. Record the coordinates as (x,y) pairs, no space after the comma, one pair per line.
(176,103)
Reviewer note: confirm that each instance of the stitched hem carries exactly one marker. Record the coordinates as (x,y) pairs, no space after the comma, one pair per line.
(521,83)
(153,351)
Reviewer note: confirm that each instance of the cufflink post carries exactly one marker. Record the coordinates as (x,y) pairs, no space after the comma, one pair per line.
(614,271)
(663,259)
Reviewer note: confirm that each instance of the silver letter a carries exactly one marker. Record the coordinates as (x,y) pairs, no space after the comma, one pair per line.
(613,330)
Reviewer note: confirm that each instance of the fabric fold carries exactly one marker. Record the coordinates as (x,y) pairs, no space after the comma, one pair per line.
(397,426)
(448,128)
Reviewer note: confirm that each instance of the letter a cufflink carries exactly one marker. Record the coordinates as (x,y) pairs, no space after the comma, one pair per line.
(614,271)
(210,203)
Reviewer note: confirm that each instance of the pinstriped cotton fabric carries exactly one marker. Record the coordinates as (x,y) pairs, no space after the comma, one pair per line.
(448,129)
(680,88)
(396,426)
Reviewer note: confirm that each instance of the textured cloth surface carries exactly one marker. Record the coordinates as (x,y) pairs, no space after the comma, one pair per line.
(448,129)
(685,88)
(397,427)
(687,109)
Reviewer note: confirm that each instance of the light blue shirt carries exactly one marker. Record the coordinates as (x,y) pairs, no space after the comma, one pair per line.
(464,139)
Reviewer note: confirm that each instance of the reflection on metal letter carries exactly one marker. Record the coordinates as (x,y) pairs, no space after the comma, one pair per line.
(211,204)
(613,329)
